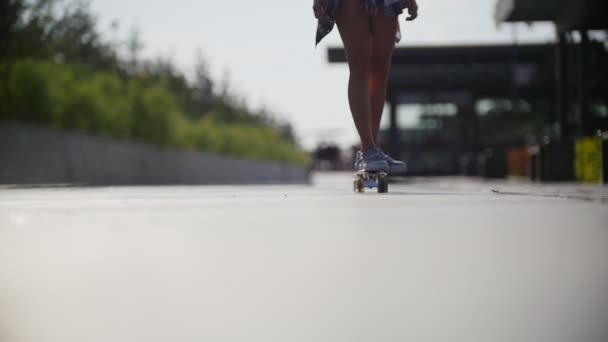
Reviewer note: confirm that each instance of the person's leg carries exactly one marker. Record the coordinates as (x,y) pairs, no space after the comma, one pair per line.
(353,22)
(383,31)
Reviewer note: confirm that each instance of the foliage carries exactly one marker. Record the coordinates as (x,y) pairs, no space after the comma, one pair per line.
(57,70)
(76,97)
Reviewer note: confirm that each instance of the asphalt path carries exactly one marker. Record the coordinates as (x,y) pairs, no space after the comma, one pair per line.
(448,259)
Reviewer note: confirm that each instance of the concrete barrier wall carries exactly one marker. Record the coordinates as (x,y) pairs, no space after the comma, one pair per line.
(33,155)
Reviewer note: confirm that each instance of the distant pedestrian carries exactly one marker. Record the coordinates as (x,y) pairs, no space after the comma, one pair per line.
(369,30)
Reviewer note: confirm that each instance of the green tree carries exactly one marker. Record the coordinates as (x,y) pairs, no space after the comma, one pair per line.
(57,70)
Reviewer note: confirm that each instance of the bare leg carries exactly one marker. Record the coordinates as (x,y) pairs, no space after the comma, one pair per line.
(383,30)
(354,25)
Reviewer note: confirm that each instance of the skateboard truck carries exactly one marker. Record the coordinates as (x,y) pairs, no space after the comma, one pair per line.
(370,179)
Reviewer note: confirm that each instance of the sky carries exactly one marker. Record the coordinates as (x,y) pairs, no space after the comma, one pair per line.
(266,49)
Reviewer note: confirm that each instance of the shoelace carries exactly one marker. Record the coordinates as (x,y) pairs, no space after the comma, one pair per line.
(358,159)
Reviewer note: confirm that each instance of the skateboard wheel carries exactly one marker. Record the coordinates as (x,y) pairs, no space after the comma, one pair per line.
(359,185)
(382,185)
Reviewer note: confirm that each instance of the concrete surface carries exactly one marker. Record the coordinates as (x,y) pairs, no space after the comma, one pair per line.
(435,260)
(35,155)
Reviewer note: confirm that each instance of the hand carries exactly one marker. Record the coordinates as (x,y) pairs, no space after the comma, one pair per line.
(412,9)
(320,11)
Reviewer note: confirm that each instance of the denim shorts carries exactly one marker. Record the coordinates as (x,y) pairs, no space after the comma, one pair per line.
(390,8)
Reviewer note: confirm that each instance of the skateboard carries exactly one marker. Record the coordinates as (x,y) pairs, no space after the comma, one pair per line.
(370,179)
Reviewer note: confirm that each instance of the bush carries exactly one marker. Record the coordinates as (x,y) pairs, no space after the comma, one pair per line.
(75,97)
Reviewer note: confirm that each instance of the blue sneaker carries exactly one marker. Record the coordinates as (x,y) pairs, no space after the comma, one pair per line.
(372,160)
(394,166)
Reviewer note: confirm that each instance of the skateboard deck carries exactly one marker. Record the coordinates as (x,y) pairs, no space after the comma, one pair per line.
(370,179)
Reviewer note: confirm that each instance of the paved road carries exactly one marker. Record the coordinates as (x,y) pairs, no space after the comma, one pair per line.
(434,260)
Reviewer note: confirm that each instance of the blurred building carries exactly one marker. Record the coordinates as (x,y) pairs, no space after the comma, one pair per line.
(472,109)
(576,147)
